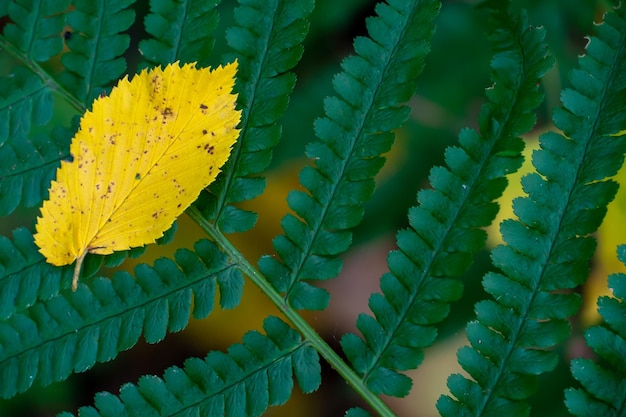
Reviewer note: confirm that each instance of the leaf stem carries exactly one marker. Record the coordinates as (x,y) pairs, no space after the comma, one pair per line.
(308,332)
(77,269)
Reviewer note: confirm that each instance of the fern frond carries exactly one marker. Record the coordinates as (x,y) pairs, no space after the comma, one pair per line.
(444,232)
(98,321)
(247,380)
(604,384)
(548,247)
(182,31)
(264,82)
(96,46)
(355,132)
(28,166)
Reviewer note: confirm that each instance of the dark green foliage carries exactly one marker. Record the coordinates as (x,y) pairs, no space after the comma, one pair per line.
(56,56)
(244,382)
(445,228)
(355,132)
(548,247)
(264,82)
(604,381)
(96,322)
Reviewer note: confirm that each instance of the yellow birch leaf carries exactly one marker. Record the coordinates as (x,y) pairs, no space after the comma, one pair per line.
(140,158)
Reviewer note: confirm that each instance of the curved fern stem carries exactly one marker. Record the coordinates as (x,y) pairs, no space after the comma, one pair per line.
(292,315)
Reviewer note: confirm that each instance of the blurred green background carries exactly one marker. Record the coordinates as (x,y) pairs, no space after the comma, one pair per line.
(449,96)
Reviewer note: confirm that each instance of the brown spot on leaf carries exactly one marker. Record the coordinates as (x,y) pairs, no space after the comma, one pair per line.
(167,113)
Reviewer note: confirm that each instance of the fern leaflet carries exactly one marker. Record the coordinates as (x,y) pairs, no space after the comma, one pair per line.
(25,277)
(548,246)
(354,133)
(24,99)
(28,166)
(97,322)
(244,382)
(263,83)
(604,385)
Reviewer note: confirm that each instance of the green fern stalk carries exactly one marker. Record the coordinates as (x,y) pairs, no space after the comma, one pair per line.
(307,331)
(548,247)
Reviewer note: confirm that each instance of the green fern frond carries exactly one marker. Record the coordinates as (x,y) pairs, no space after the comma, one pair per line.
(264,82)
(25,277)
(355,132)
(28,166)
(548,246)
(247,380)
(181,30)
(604,384)
(98,321)
(96,46)
(445,229)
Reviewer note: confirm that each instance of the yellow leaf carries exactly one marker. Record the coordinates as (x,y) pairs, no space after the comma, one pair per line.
(140,158)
